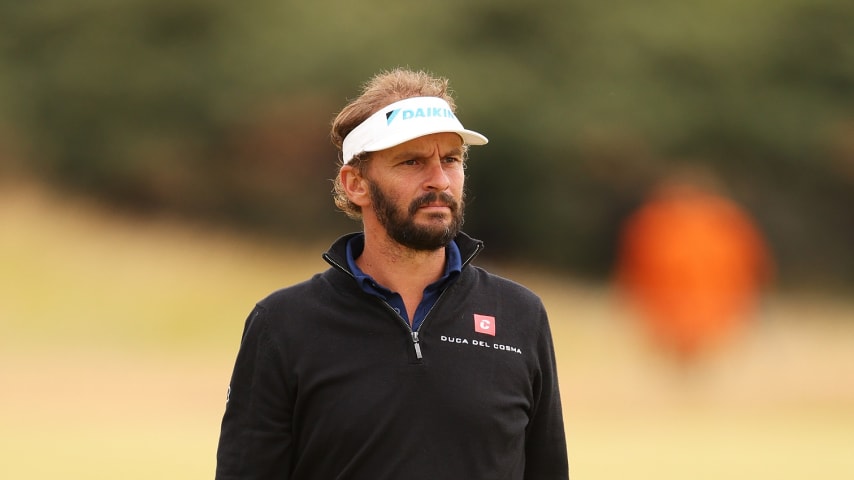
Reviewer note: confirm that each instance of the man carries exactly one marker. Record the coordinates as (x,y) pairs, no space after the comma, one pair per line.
(402,360)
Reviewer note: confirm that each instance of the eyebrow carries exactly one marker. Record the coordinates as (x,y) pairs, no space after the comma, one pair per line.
(409,154)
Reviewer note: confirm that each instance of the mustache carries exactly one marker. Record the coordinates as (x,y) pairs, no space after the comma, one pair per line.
(434,197)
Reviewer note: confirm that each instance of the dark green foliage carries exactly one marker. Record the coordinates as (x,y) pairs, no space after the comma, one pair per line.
(220,110)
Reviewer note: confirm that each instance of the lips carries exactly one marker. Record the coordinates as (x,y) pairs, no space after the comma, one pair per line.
(434,200)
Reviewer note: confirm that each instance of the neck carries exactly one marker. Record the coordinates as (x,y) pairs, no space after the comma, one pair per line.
(397,267)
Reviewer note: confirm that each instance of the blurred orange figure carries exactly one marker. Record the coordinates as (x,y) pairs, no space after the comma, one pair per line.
(693,263)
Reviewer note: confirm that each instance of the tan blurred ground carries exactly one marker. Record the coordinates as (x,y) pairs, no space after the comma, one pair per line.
(119,334)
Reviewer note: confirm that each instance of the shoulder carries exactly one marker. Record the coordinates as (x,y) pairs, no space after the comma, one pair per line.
(518,317)
(487,293)
(480,279)
(296,306)
(318,288)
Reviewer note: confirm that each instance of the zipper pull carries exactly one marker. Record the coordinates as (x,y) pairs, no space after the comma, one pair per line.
(416,345)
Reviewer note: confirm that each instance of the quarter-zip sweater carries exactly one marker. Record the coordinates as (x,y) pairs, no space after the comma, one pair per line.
(331,383)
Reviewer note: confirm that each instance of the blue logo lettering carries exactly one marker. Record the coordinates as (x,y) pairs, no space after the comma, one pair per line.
(419,112)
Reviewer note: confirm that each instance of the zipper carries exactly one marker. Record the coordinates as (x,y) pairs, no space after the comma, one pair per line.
(416,341)
(416,345)
(413,333)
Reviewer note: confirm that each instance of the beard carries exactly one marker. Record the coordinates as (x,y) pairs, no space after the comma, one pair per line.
(401,227)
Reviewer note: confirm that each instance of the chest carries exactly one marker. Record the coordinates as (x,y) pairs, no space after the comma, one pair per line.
(353,384)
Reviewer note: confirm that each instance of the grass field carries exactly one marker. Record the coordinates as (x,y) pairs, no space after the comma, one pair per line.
(119,335)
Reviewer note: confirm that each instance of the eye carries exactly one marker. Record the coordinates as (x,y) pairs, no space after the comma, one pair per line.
(452,159)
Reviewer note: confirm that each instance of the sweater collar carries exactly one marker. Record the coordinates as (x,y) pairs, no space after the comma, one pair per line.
(337,254)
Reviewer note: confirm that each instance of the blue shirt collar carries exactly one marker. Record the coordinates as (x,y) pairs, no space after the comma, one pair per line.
(453,264)
(453,267)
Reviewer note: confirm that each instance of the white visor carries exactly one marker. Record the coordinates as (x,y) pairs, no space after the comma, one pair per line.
(403,121)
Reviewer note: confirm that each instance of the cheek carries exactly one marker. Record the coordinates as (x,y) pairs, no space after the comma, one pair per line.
(458,180)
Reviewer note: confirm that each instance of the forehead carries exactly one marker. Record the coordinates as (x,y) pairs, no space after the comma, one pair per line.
(446,142)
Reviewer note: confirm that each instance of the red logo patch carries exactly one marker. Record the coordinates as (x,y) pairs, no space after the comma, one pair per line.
(484,324)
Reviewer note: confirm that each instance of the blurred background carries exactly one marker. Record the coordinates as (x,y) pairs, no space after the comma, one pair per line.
(675,179)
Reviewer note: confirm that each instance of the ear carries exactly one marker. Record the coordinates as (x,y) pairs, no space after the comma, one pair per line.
(355,186)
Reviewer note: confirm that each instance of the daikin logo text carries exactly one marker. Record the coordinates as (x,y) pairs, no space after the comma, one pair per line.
(408,114)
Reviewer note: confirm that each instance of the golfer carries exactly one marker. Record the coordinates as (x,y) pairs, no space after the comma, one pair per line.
(403,360)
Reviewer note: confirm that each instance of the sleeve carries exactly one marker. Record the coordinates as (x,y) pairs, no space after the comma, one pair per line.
(545,446)
(256,439)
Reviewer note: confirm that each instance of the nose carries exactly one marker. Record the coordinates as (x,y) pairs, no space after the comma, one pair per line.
(437,178)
